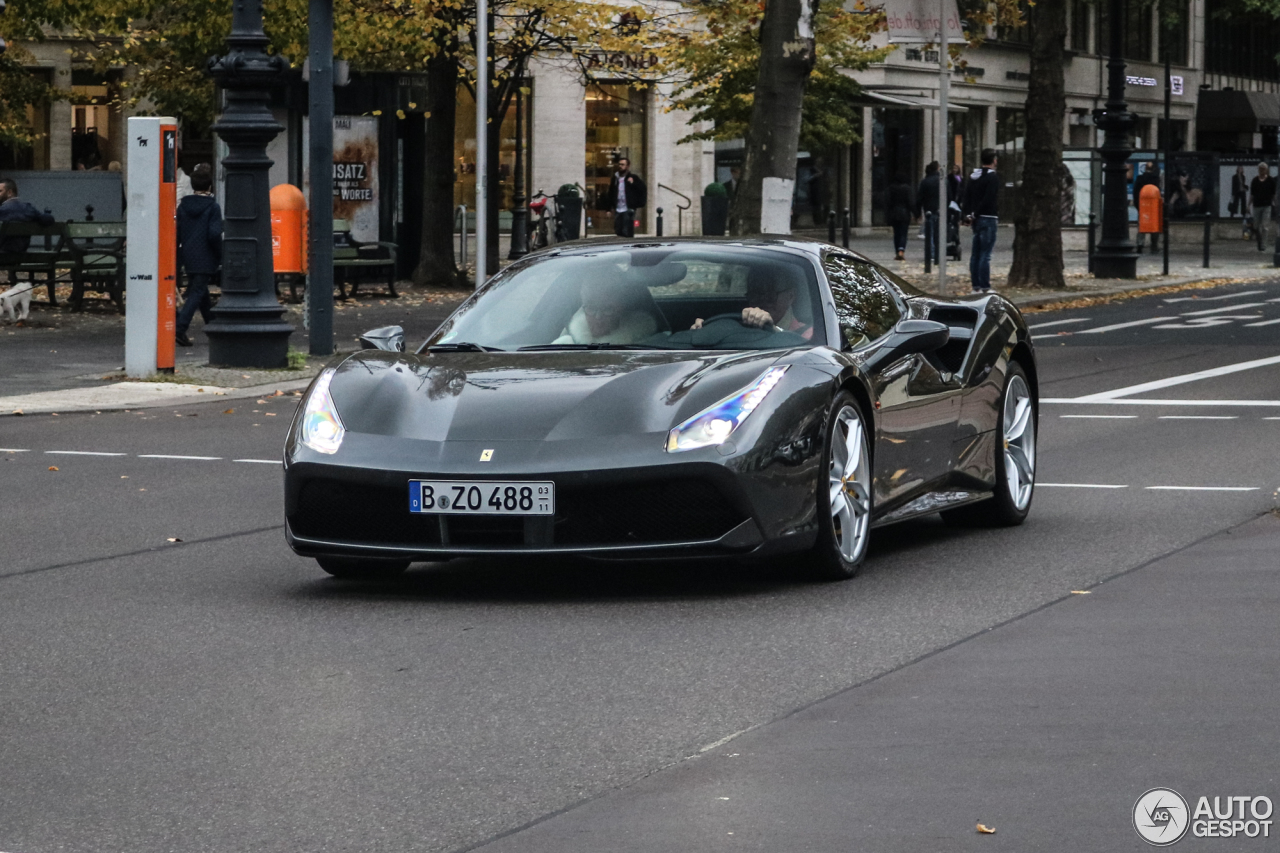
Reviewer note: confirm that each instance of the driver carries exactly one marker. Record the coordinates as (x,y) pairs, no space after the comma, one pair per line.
(770,299)
(610,314)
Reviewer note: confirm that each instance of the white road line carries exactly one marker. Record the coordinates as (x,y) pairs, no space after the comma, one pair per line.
(1130,324)
(1263,323)
(14,450)
(1107,417)
(1271,419)
(263,461)
(167,456)
(1080,486)
(1217,298)
(82,453)
(1197,417)
(1058,323)
(1202,488)
(1224,309)
(1142,388)
(1126,401)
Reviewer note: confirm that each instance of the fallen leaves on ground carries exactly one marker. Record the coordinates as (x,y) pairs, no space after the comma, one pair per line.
(53,467)
(173,539)
(1104,299)
(17,411)
(229,411)
(983,829)
(1080,592)
(261,402)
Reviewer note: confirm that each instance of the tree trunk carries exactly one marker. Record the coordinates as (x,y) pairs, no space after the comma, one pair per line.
(494,138)
(763,203)
(436,264)
(1037,238)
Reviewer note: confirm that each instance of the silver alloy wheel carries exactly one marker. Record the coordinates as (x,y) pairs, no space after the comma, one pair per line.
(849,481)
(1019,442)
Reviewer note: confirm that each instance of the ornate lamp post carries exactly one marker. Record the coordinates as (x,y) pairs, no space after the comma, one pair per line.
(1115,256)
(519,212)
(247,330)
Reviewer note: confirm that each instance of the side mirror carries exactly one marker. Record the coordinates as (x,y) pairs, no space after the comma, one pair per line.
(387,339)
(907,338)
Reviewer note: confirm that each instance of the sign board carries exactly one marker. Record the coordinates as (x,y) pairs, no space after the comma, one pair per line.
(918,21)
(151,264)
(1175,84)
(355,174)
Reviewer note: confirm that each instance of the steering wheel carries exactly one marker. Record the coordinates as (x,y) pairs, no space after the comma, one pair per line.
(736,318)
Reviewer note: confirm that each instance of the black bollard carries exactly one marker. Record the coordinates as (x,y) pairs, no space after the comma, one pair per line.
(88,213)
(928,238)
(831,225)
(659,222)
(845,234)
(1208,224)
(1093,237)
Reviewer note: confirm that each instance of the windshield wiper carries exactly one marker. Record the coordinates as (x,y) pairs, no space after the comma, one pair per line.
(462,346)
(583,347)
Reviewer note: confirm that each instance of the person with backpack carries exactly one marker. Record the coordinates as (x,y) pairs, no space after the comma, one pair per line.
(199,226)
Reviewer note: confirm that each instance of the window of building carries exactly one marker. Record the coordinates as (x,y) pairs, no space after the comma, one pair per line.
(1016,33)
(1179,134)
(1175,28)
(464,154)
(36,155)
(1136,37)
(617,121)
(97,126)
(1241,44)
(1080,25)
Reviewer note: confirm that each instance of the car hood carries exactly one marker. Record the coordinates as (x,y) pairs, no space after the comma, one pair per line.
(535,396)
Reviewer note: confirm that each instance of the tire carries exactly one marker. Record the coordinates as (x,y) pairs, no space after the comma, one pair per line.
(355,569)
(844,527)
(1011,499)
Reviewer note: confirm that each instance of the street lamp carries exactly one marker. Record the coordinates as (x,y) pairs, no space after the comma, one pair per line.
(247,329)
(519,213)
(1115,256)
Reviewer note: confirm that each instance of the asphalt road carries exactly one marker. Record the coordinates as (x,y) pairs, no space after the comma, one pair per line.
(220,693)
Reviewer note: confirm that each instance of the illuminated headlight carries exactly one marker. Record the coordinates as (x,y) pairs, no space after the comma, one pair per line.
(714,425)
(322,429)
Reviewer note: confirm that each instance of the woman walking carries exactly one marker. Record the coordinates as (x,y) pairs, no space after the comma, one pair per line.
(900,214)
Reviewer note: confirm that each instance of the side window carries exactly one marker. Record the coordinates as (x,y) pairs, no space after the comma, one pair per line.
(864,307)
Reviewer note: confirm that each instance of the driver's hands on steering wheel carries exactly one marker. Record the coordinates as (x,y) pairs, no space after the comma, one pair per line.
(754,317)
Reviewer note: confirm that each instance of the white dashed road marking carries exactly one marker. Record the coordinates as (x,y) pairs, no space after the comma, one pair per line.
(1115,395)
(1080,486)
(82,453)
(1102,417)
(1130,324)
(1198,417)
(1262,323)
(262,461)
(1058,323)
(1216,298)
(1202,488)
(14,450)
(1224,309)
(165,456)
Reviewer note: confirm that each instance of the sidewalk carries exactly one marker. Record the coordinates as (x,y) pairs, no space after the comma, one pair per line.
(1047,728)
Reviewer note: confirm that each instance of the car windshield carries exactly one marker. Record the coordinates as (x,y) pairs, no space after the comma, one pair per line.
(646,297)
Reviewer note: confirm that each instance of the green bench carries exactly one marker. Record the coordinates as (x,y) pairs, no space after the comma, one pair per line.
(44,255)
(356,263)
(96,253)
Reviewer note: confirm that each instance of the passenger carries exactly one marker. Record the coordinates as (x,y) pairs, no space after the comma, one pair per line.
(610,314)
(770,301)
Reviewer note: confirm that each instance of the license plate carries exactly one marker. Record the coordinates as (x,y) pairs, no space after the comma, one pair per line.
(482,497)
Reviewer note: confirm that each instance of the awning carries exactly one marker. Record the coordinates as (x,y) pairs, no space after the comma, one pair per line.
(1237,112)
(911,101)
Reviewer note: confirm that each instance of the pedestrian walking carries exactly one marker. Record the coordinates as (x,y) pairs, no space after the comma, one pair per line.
(980,210)
(1262,191)
(1239,204)
(627,194)
(900,207)
(927,207)
(199,227)
(1150,177)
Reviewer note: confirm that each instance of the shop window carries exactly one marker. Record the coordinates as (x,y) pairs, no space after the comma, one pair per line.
(617,123)
(464,154)
(1011,142)
(895,151)
(96,128)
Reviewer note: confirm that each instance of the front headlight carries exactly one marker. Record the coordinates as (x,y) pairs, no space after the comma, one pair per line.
(714,425)
(321,428)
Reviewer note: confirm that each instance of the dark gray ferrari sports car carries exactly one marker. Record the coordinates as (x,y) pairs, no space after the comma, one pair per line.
(680,398)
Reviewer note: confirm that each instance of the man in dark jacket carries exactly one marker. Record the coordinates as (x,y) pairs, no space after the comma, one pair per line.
(979,209)
(627,194)
(199,249)
(1150,177)
(1262,192)
(927,206)
(14,209)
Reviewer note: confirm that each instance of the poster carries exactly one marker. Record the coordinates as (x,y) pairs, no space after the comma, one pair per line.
(1077,195)
(355,174)
(1235,173)
(917,21)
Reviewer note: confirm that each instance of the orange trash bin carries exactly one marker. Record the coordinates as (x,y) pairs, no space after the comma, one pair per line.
(1150,211)
(288,229)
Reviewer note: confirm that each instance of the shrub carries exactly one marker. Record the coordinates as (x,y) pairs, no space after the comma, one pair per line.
(716,188)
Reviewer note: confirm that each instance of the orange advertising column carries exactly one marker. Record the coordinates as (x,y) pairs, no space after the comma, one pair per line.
(167,240)
(288,229)
(1150,211)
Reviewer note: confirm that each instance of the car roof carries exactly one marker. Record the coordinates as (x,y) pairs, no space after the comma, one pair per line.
(809,247)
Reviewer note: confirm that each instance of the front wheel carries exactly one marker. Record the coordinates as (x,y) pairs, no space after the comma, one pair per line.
(844,494)
(356,569)
(1015,460)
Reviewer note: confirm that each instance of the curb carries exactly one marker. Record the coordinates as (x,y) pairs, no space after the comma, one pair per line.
(73,400)
(1057,297)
